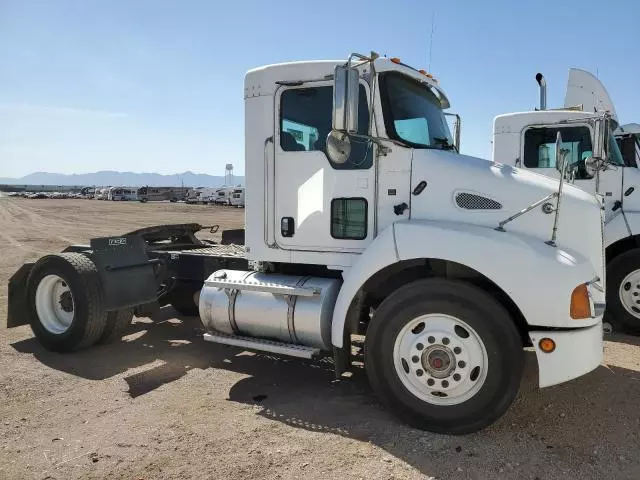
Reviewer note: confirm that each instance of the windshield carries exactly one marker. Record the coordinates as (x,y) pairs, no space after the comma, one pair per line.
(412,113)
(615,156)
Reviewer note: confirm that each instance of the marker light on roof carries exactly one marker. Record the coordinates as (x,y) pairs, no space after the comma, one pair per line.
(396,60)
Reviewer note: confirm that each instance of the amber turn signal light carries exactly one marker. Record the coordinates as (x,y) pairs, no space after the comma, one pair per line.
(547,345)
(580,304)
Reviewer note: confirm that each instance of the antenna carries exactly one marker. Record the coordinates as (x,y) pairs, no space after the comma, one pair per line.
(433,24)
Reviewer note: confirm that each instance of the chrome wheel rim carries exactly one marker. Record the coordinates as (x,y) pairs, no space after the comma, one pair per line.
(54,304)
(629,293)
(440,359)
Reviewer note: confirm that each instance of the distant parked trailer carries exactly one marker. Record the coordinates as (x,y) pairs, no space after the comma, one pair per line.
(102,193)
(237,197)
(122,194)
(222,196)
(160,194)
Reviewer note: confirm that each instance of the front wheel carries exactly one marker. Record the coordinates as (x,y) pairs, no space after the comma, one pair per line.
(444,355)
(623,291)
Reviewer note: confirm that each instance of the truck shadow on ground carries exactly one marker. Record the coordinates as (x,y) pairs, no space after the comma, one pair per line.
(592,421)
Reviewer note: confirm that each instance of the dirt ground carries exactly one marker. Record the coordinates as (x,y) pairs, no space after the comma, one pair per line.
(164,404)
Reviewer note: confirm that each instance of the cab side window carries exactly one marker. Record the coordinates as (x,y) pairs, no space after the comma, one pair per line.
(305,122)
(540,147)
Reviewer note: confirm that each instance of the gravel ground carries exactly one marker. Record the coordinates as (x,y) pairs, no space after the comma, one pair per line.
(163,404)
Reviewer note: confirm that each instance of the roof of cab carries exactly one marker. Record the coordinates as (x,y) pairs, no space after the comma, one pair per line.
(265,80)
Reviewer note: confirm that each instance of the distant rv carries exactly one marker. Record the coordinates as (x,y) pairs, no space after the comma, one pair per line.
(160,194)
(200,195)
(88,192)
(122,194)
(101,193)
(222,196)
(237,197)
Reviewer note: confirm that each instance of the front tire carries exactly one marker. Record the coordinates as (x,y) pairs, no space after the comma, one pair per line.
(65,300)
(444,355)
(623,291)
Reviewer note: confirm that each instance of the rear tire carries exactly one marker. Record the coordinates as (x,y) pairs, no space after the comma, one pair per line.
(117,323)
(623,291)
(444,355)
(66,303)
(181,299)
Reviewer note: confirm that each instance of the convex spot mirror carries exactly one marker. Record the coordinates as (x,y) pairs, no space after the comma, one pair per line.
(338,146)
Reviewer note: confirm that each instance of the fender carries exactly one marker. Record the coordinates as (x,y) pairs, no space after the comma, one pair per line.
(513,261)
(617,229)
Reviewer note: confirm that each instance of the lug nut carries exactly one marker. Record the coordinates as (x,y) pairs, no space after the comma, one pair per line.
(419,346)
(456,377)
(462,364)
(445,384)
(415,359)
(431,340)
(457,350)
(419,373)
(430,382)
(445,341)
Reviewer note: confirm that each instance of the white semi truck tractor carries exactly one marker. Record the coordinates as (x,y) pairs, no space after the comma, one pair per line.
(361,220)
(587,122)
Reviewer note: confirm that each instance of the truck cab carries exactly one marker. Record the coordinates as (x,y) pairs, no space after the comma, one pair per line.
(588,117)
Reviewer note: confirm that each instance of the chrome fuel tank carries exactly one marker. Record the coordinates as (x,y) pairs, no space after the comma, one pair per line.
(293,309)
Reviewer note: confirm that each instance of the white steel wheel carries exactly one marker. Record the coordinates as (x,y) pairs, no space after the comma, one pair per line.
(629,293)
(54,304)
(65,302)
(444,355)
(440,359)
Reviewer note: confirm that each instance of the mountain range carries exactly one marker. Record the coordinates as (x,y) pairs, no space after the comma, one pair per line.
(129,179)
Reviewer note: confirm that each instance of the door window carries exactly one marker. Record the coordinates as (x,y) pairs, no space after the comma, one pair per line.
(305,122)
(349,218)
(540,147)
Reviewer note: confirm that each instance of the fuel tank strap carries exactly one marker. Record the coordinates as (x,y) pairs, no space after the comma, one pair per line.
(291,307)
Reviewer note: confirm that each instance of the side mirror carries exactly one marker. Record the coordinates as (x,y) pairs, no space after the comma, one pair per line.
(600,133)
(346,89)
(457,129)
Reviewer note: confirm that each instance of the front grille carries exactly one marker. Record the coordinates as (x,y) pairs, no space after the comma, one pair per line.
(471,201)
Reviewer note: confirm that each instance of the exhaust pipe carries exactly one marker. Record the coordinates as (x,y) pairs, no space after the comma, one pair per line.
(543,90)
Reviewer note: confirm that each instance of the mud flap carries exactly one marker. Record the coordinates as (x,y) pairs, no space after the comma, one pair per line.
(127,275)
(18,311)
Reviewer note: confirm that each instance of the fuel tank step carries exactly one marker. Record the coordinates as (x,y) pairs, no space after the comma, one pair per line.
(266,287)
(251,343)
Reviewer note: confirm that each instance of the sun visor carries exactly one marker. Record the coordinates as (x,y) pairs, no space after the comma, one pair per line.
(585,89)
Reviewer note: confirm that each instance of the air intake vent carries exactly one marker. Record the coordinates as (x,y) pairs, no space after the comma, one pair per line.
(471,201)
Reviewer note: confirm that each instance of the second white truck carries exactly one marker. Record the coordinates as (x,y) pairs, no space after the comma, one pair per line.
(587,122)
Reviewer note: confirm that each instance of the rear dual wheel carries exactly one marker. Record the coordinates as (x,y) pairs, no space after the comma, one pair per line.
(66,304)
(444,355)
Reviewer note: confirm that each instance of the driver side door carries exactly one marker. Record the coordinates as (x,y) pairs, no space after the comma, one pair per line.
(539,155)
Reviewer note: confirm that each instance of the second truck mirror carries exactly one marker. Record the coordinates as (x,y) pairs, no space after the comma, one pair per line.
(345,99)
(601,138)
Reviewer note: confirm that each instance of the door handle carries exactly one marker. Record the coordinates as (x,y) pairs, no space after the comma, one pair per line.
(286,226)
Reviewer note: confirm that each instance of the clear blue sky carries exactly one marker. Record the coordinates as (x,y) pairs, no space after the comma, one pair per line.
(157,85)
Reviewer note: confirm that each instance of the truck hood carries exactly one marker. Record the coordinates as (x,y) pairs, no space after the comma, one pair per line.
(485,193)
